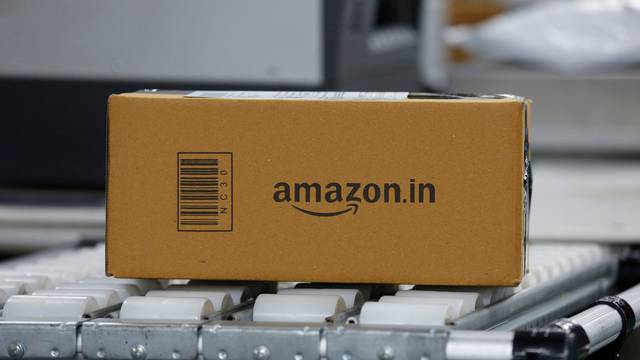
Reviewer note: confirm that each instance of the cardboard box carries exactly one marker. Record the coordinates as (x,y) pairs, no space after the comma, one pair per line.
(329,187)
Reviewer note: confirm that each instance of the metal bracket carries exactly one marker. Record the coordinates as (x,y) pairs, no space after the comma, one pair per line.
(363,342)
(113,339)
(246,340)
(41,340)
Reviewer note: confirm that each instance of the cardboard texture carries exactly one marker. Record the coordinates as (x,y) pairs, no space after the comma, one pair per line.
(377,190)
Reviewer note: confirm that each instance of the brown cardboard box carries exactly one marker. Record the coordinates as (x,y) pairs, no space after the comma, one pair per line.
(332,187)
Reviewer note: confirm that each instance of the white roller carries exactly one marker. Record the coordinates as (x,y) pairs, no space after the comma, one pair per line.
(144,285)
(165,308)
(551,266)
(601,323)
(177,282)
(598,252)
(366,289)
(488,295)
(123,290)
(386,313)
(255,287)
(455,305)
(287,284)
(564,264)
(296,308)
(502,293)
(221,301)
(537,275)
(3,296)
(351,297)
(31,283)
(471,300)
(585,255)
(555,267)
(13,288)
(29,307)
(529,280)
(103,298)
(574,258)
(56,272)
(239,294)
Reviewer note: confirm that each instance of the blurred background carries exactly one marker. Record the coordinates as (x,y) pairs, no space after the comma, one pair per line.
(578,60)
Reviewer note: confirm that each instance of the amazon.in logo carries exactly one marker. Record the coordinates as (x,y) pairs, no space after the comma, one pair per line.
(334,198)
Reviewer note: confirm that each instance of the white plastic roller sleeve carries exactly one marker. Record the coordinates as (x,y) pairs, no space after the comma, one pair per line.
(552,267)
(489,295)
(31,283)
(221,301)
(601,323)
(13,288)
(502,293)
(287,285)
(103,298)
(29,307)
(177,282)
(296,308)
(365,289)
(386,313)
(255,287)
(165,308)
(455,305)
(480,345)
(144,285)
(123,290)
(536,275)
(239,294)
(56,273)
(471,301)
(351,297)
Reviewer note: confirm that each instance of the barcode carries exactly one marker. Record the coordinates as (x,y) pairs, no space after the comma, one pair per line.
(204,192)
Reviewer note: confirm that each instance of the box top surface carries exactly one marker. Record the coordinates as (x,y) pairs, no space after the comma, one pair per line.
(321,96)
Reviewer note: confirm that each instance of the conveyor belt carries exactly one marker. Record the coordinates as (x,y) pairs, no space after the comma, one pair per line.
(60,305)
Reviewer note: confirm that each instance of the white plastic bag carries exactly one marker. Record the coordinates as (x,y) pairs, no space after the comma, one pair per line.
(569,36)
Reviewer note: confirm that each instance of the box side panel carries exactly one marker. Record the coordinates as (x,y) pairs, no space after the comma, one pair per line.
(468,156)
